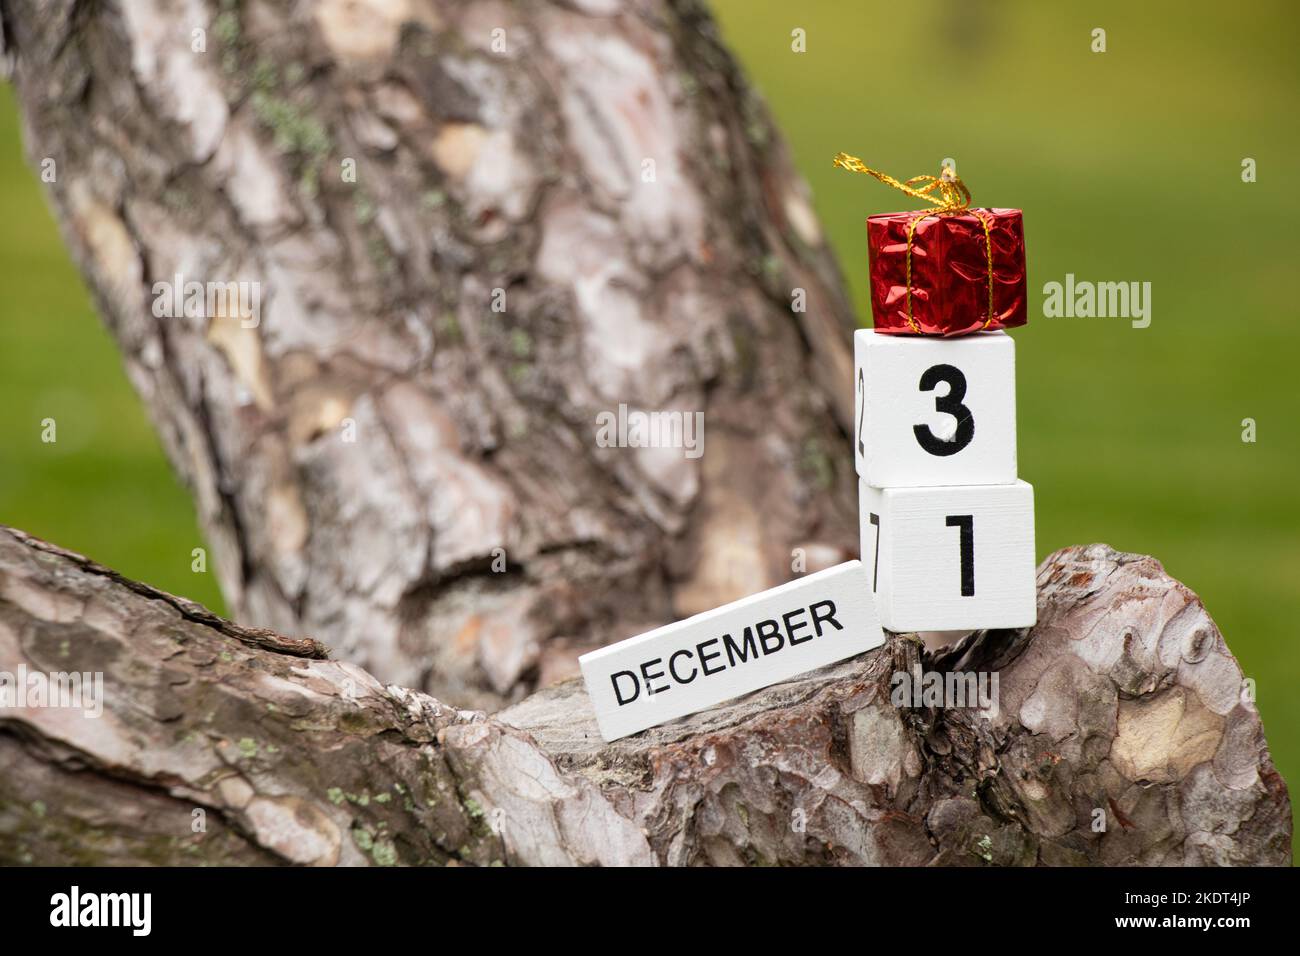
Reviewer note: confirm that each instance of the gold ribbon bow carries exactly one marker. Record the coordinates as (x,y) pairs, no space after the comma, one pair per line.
(953,199)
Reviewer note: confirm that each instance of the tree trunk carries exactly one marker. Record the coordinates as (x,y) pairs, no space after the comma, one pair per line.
(1121,735)
(558,208)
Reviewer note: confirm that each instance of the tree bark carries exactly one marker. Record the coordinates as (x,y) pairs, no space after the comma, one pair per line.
(558,208)
(1121,736)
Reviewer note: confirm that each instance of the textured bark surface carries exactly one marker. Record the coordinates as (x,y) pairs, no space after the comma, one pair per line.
(1122,704)
(501,154)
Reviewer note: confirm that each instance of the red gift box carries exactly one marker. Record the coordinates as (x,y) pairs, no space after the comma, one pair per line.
(949,274)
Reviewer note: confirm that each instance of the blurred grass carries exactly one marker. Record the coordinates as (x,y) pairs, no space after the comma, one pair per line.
(104,487)
(1127,165)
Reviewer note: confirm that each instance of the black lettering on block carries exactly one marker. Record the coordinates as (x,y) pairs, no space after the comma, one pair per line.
(745,651)
(705,658)
(645,673)
(618,694)
(830,616)
(767,630)
(672,667)
(791,627)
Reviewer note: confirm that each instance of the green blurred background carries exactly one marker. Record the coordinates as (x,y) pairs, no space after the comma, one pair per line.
(1128,167)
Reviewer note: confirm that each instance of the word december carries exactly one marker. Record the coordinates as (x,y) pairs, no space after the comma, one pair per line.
(688,663)
(729,651)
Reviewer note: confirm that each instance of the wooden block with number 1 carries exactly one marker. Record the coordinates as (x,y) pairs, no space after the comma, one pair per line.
(954,557)
(934,411)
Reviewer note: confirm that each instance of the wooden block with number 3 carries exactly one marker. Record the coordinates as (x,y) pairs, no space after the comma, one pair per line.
(956,557)
(932,411)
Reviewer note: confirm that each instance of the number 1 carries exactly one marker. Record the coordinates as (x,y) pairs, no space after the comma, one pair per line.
(967,543)
(875,569)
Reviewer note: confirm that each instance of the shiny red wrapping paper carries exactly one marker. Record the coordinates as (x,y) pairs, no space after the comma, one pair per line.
(949,272)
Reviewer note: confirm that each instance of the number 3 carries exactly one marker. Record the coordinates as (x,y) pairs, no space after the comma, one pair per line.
(949,404)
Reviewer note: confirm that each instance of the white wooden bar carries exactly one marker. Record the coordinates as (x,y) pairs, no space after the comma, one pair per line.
(731,650)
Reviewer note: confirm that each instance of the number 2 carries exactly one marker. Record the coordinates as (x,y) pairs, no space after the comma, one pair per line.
(949,404)
(967,544)
(862,412)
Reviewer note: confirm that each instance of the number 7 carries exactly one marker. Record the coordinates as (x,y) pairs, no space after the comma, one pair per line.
(875,568)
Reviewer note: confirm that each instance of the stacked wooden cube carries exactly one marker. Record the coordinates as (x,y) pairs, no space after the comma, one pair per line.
(947,526)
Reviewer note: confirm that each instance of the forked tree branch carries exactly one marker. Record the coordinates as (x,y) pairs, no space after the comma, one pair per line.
(473,229)
(1122,736)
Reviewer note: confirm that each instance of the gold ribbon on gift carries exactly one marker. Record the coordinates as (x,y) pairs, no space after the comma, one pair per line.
(948,196)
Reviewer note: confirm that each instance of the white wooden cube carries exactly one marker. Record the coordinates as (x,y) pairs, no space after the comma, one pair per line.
(935,411)
(952,557)
(731,650)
